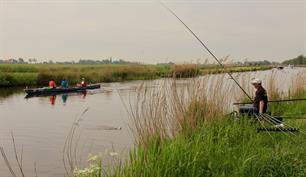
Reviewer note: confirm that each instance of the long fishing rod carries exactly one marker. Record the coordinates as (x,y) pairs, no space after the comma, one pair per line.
(209,51)
(275,101)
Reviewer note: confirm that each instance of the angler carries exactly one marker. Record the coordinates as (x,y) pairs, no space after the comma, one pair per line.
(260,103)
(259,106)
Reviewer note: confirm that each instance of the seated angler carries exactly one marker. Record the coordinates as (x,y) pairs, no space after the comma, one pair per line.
(260,103)
(261,98)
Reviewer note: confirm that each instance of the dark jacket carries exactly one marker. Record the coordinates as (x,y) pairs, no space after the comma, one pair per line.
(261,95)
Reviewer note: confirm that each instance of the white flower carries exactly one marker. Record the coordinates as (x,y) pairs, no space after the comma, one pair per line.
(113,154)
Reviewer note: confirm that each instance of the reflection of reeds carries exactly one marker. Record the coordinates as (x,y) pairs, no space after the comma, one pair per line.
(7,162)
(18,160)
(70,150)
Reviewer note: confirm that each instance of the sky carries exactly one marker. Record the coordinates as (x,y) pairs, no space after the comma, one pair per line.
(144,31)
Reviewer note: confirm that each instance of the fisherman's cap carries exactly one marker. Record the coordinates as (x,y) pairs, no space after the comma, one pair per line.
(256,81)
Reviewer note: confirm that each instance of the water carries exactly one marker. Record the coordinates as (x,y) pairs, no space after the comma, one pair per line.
(40,125)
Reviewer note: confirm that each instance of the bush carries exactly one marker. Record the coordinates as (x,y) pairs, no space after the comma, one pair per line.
(184,71)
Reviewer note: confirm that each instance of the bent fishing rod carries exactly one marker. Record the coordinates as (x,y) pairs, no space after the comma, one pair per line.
(207,49)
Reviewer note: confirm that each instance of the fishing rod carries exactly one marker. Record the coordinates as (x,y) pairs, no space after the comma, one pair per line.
(275,101)
(205,47)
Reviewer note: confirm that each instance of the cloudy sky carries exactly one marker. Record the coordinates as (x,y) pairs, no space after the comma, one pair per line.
(142,30)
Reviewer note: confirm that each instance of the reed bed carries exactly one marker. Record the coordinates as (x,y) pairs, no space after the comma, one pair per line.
(176,106)
(40,74)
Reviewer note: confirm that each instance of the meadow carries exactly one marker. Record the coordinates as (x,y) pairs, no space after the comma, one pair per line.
(22,75)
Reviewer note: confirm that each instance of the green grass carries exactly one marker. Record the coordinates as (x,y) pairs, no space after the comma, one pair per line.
(220,148)
(289,108)
(234,69)
(40,74)
(17,79)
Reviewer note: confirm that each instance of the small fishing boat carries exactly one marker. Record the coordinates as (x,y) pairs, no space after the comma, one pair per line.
(53,91)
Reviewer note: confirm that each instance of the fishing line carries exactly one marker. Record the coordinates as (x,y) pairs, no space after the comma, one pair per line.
(207,49)
(272,121)
(267,120)
(289,126)
(258,118)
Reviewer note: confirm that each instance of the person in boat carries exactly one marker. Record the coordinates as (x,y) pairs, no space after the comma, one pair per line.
(52,84)
(64,83)
(83,83)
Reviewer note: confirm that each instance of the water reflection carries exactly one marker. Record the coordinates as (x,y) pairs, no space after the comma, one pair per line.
(52,99)
(7,92)
(64,97)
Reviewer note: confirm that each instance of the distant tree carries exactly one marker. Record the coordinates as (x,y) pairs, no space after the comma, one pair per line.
(21,61)
(12,61)
(300,60)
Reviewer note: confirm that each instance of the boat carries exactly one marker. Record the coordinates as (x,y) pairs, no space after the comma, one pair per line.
(58,90)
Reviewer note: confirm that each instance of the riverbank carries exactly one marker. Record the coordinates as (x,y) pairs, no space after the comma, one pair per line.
(12,75)
(203,141)
(218,148)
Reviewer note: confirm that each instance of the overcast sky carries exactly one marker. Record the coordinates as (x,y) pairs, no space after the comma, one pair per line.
(142,30)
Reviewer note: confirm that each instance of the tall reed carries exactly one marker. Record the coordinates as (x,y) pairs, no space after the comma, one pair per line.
(176,106)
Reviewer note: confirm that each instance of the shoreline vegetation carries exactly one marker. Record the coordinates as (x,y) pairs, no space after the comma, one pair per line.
(195,136)
(22,75)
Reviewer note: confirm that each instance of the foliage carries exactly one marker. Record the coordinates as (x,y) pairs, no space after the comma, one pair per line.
(40,74)
(300,60)
(94,168)
(17,79)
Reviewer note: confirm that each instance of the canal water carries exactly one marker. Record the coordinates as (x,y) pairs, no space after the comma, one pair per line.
(40,125)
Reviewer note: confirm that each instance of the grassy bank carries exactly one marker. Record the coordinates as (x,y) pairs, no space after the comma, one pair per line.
(196,138)
(220,148)
(40,74)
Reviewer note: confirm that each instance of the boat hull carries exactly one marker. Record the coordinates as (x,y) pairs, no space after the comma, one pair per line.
(55,91)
